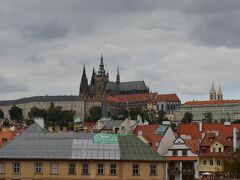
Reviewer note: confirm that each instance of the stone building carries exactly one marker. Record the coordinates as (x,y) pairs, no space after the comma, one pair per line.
(74,103)
(100,84)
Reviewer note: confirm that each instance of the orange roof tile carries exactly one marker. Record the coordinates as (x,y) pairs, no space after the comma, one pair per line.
(190,130)
(147,97)
(181,158)
(148,132)
(215,102)
(193,145)
(6,135)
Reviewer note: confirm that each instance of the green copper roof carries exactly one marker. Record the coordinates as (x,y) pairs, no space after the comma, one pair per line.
(132,148)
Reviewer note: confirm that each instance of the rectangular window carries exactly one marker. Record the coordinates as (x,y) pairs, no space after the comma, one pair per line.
(113,169)
(54,168)
(136,170)
(219,149)
(38,168)
(153,169)
(204,162)
(16,167)
(1,168)
(100,169)
(85,169)
(71,168)
(184,153)
(174,152)
(211,162)
(218,162)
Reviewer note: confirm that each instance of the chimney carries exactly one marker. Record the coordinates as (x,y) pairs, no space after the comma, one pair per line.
(200,126)
(40,122)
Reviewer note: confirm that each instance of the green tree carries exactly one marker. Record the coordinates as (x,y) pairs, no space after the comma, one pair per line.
(68,116)
(237,121)
(37,112)
(161,116)
(95,113)
(187,118)
(54,113)
(16,114)
(232,166)
(1,114)
(208,117)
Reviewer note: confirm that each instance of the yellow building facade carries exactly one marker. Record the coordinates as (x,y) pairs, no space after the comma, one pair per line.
(123,170)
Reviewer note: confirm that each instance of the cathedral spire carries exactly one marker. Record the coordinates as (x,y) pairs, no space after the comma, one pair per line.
(118,75)
(83,91)
(212,93)
(93,76)
(101,70)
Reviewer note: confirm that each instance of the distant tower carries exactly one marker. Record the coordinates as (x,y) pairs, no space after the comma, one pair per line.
(118,76)
(101,70)
(93,76)
(83,91)
(219,93)
(212,93)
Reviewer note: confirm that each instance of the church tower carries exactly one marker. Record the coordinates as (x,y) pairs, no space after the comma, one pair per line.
(219,93)
(212,93)
(83,91)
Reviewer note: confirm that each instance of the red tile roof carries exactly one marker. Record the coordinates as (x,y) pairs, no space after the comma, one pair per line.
(193,129)
(168,97)
(193,145)
(6,135)
(148,132)
(215,102)
(190,130)
(147,97)
(181,158)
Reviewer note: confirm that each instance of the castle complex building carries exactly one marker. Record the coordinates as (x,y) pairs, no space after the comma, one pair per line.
(222,110)
(100,84)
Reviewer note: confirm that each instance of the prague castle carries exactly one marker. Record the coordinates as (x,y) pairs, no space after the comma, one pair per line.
(100,84)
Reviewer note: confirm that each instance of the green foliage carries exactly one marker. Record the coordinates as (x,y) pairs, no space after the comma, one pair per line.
(54,113)
(208,117)
(1,114)
(37,112)
(232,166)
(95,113)
(237,121)
(161,117)
(5,123)
(187,118)
(68,116)
(16,114)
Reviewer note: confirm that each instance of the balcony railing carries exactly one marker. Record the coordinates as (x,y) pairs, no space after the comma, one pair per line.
(185,170)
(209,168)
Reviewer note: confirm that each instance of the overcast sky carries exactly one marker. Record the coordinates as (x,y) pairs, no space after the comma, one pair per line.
(176,46)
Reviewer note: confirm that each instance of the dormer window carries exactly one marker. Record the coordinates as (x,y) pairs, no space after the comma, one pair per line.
(229,139)
(210,139)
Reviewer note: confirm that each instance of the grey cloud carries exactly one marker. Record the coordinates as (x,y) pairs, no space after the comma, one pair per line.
(7,86)
(35,58)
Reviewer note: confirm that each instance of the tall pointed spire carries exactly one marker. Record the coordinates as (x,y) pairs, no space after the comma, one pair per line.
(118,75)
(83,90)
(101,70)
(93,76)
(212,93)
(219,93)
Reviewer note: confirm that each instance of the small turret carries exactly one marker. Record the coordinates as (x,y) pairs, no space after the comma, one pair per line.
(219,93)
(212,93)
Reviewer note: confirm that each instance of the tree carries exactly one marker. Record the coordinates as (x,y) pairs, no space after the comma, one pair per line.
(208,117)
(68,116)
(232,166)
(16,114)
(1,114)
(161,116)
(237,121)
(37,112)
(187,118)
(54,113)
(95,113)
